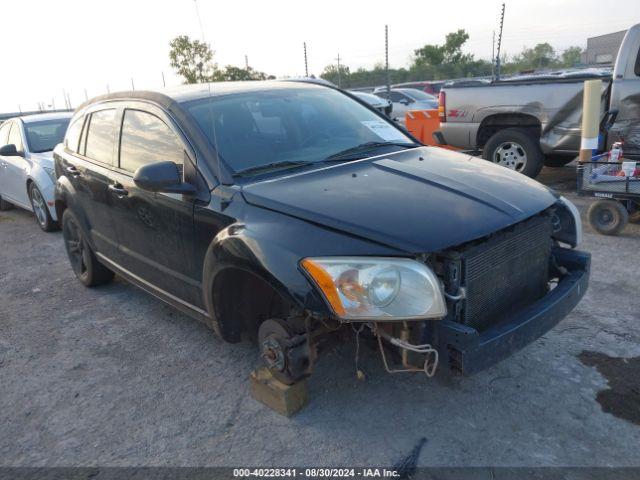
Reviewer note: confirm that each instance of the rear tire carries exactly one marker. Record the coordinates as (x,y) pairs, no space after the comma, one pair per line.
(608,217)
(40,209)
(84,263)
(4,205)
(515,149)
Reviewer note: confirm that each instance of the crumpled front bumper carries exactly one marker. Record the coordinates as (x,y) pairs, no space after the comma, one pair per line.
(469,351)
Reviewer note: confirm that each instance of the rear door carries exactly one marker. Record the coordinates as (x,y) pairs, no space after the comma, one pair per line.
(155,230)
(88,164)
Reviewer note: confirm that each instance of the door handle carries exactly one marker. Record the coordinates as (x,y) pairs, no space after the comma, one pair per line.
(73,171)
(118,190)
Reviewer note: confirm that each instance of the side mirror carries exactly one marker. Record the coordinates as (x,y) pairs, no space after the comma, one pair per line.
(9,151)
(404,101)
(162,177)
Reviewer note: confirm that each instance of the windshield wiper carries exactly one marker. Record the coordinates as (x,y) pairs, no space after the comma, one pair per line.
(354,153)
(269,167)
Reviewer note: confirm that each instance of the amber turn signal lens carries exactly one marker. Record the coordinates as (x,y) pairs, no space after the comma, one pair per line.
(325,282)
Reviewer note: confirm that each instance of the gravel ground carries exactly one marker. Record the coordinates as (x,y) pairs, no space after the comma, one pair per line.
(113,377)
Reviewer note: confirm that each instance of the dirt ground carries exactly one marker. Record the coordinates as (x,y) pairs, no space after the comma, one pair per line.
(113,377)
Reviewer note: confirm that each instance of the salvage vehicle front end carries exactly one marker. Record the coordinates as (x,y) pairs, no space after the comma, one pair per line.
(453,261)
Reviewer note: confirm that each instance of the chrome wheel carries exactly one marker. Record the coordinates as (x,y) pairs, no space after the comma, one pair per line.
(510,155)
(39,206)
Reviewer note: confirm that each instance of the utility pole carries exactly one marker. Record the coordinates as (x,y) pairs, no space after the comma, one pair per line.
(493,56)
(386,59)
(133,87)
(108,91)
(163,84)
(306,66)
(246,63)
(499,44)
(339,73)
(86,97)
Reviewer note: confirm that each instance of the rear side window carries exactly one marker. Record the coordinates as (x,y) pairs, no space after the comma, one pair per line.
(637,67)
(72,139)
(15,137)
(101,135)
(147,139)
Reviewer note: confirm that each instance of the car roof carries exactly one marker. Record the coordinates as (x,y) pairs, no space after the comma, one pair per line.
(186,93)
(40,117)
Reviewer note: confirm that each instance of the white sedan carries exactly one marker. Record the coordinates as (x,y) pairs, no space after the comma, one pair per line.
(27,175)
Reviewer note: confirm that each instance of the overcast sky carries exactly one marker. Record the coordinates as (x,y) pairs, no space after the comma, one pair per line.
(51,45)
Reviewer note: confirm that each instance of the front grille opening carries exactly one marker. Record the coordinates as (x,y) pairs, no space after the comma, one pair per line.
(499,275)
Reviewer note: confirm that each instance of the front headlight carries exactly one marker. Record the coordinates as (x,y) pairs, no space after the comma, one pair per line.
(368,288)
(51,172)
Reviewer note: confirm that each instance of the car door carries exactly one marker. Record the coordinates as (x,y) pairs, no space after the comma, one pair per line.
(4,135)
(87,163)
(16,168)
(155,230)
(400,103)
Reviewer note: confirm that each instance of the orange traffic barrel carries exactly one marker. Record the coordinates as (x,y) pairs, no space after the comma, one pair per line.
(422,124)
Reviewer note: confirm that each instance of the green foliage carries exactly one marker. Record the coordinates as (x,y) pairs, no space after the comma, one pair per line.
(335,74)
(192,59)
(572,56)
(448,61)
(236,74)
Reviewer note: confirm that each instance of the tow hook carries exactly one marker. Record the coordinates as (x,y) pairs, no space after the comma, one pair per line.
(431,354)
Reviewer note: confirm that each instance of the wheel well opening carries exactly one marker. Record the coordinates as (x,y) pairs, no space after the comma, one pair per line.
(60,207)
(494,123)
(242,301)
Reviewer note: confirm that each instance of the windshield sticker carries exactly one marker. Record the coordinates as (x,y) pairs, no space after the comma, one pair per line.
(384,130)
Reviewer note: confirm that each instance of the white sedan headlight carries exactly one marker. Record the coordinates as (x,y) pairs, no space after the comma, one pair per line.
(369,288)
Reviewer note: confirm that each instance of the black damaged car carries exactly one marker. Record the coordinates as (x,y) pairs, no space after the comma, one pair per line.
(287,211)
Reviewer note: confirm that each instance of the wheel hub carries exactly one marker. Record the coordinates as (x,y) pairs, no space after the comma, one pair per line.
(38,204)
(510,155)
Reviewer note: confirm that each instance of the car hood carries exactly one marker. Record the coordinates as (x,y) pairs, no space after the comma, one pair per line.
(44,159)
(420,200)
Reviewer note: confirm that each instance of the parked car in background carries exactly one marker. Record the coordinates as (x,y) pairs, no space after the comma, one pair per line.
(432,87)
(525,122)
(381,104)
(405,99)
(287,211)
(27,175)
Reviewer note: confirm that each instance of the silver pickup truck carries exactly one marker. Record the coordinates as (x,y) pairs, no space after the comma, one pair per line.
(527,122)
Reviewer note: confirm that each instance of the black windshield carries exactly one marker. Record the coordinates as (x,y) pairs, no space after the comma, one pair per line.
(288,126)
(44,136)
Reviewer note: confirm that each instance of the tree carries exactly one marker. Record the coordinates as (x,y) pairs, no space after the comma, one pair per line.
(336,74)
(448,53)
(541,56)
(235,74)
(572,56)
(192,59)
